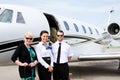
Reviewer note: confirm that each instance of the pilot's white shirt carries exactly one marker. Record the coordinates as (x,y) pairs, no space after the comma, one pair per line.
(43,51)
(65,52)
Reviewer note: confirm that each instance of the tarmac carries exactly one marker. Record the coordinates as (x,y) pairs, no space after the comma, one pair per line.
(88,70)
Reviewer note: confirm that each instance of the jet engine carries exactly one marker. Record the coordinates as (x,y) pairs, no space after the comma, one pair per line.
(114,30)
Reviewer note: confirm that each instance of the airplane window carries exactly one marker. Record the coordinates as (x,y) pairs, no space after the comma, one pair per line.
(84,29)
(76,27)
(20,18)
(66,25)
(90,30)
(6,16)
(97,31)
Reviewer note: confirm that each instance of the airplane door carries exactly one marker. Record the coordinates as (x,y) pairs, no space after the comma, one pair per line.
(53,26)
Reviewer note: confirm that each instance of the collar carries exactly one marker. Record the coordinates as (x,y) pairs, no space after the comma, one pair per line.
(41,43)
(59,42)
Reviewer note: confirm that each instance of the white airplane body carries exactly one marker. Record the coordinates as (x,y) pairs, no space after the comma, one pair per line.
(88,42)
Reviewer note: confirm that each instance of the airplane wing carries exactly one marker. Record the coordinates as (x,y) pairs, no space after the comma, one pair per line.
(100,56)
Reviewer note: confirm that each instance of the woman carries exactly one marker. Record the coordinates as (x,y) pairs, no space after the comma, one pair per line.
(25,57)
(45,58)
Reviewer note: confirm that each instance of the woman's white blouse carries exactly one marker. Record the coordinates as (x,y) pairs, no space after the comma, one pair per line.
(44,51)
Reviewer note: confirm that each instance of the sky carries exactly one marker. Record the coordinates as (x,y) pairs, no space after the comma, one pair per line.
(95,12)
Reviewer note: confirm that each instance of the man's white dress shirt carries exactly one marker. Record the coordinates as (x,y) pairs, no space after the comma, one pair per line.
(65,52)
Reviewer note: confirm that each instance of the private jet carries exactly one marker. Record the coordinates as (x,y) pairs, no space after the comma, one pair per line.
(88,42)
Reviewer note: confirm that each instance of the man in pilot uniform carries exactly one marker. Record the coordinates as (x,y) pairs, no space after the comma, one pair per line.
(62,54)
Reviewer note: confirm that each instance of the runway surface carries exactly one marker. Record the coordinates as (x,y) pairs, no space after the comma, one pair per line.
(89,70)
(97,70)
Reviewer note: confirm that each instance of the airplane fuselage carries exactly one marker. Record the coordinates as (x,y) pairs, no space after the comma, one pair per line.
(16,20)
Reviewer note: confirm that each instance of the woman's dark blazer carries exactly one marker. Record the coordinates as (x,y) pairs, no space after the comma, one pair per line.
(23,55)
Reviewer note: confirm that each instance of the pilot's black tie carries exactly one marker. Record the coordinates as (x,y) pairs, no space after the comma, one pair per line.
(59,51)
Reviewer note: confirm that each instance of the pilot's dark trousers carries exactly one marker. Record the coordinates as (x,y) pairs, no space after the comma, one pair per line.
(61,71)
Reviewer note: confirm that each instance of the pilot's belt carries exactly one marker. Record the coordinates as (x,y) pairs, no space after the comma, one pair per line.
(46,58)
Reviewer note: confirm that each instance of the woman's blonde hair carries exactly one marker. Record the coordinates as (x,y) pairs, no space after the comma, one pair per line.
(29,34)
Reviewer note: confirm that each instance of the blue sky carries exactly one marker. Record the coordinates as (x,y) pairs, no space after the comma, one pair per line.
(95,12)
